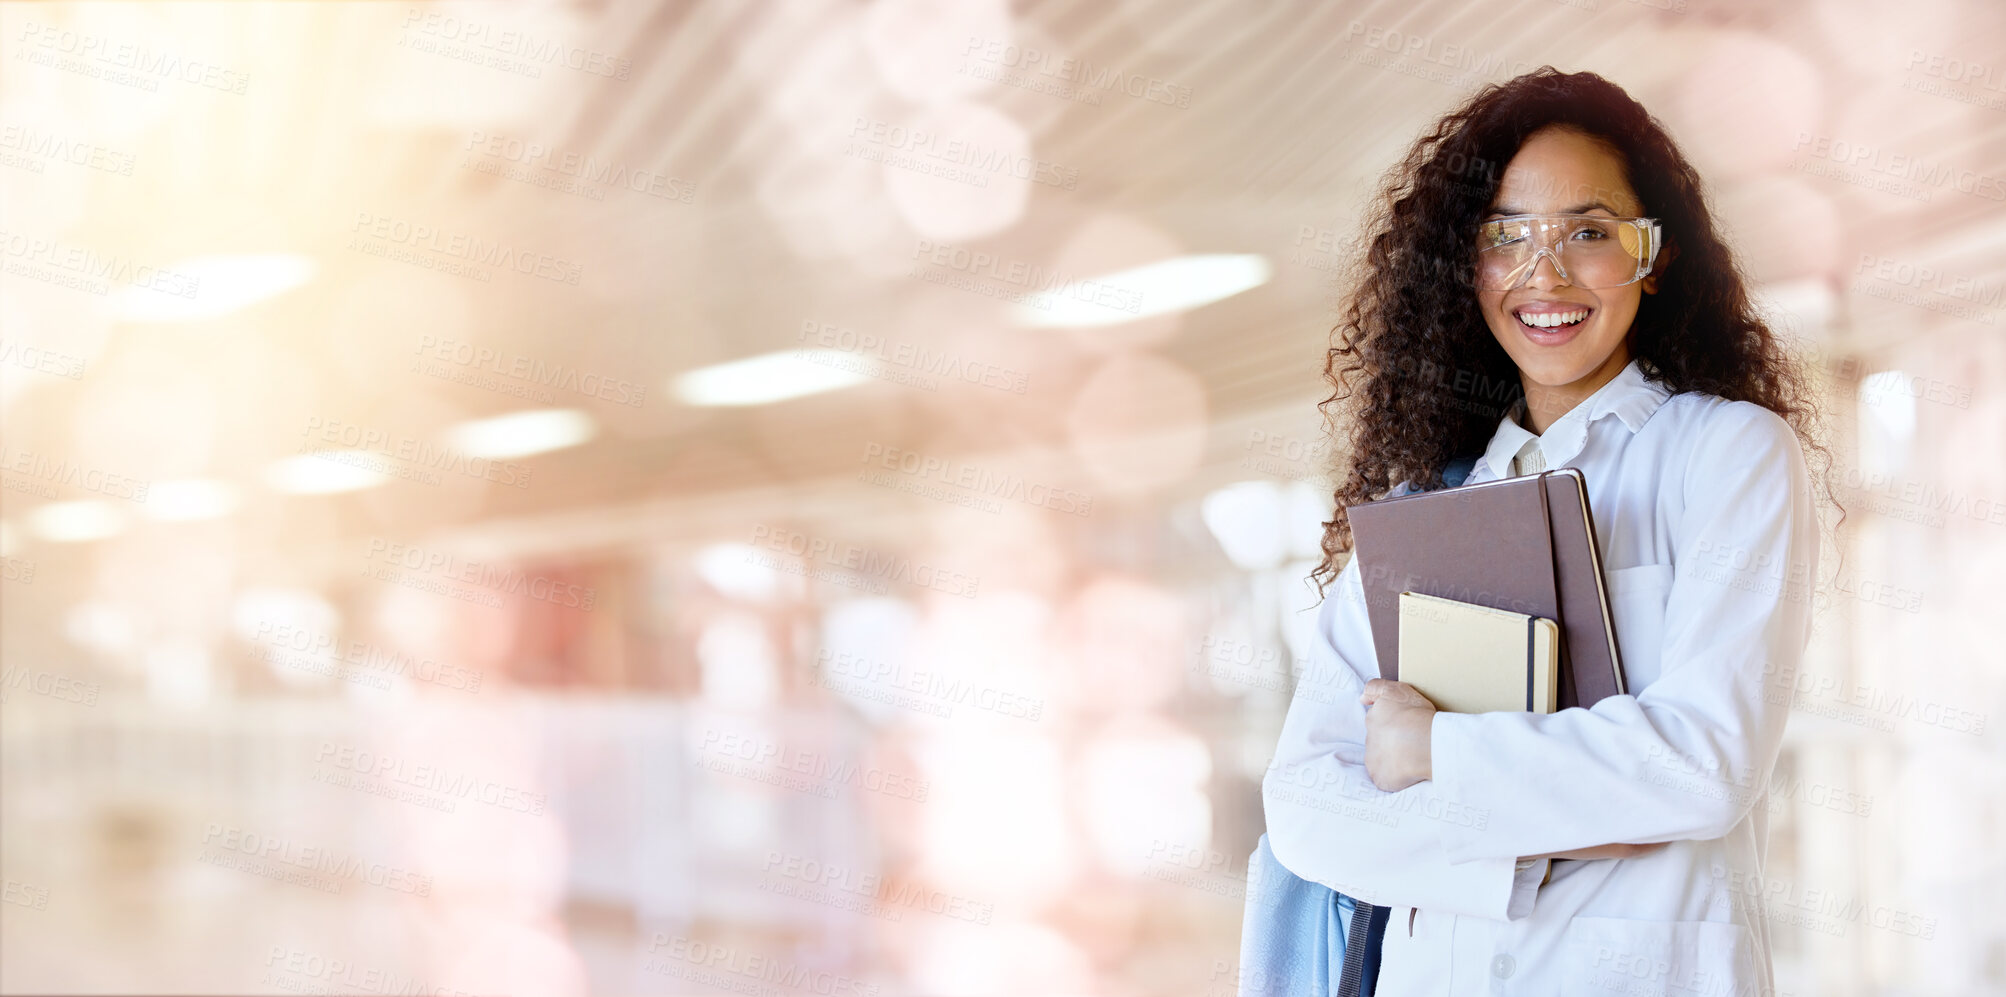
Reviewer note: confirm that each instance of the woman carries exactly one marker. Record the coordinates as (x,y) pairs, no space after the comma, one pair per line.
(1546,288)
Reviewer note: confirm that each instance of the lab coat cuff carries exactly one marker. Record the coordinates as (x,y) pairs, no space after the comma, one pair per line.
(1528,875)
(1450,740)
(1487,888)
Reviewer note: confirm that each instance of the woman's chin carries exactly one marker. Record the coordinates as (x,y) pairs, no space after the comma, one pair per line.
(1556,371)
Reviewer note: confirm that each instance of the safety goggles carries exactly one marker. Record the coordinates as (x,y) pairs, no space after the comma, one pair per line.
(1589,251)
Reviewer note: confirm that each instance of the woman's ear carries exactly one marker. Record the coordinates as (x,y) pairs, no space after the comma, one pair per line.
(1666,254)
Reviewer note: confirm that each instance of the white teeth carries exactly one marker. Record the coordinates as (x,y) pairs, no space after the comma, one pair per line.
(1547,320)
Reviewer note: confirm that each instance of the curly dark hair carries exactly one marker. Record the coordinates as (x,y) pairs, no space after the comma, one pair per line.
(1414,367)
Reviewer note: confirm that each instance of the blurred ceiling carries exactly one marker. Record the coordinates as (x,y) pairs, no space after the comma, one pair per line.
(362,118)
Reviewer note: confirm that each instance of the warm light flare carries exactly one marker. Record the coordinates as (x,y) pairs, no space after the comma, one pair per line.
(208,287)
(1173,285)
(768,378)
(80,521)
(324,472)
(521,434)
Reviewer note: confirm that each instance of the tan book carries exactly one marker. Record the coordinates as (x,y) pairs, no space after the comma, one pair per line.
(1468,658)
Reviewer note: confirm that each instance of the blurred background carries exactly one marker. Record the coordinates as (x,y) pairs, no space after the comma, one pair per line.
(670,498)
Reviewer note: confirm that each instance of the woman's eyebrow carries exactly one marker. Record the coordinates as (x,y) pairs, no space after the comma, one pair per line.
(1503,209)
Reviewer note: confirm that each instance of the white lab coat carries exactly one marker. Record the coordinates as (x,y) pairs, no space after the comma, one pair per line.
(1704,511)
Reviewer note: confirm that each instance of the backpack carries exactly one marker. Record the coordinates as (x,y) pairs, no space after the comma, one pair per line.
(1304,939)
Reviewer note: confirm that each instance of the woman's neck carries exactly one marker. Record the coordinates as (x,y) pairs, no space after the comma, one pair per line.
(1545,404)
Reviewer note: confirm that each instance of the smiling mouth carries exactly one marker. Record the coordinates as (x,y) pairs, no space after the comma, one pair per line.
(1552,320)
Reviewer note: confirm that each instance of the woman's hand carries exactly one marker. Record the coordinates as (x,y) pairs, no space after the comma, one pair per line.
(1398,724)
(1618,851)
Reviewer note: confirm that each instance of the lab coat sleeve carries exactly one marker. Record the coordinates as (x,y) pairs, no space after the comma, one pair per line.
(1685,758)
(1329,824)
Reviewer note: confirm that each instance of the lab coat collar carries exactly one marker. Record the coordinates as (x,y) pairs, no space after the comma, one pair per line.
(1628,396)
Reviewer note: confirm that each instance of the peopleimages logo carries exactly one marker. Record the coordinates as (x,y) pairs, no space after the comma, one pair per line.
(24,895)
(302,971)
(430,778)
(87,269)
(476,359)
(522,46)
(61,471)
(866,564)
(61,688)
(40,145)
(728,967)
(919,359)
(358,445)
(40,360)
(100,53)
(1875,159)
(418,241)
(771,757)
(1988,76)
(585,168)
(1083,74)
(337,866)
(506,580)
(876,889)
(1040,284)
(979,162)
(308,650)
(979,479)
(924,690)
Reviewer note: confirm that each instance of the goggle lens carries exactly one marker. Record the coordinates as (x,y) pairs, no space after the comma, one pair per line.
(1589,251)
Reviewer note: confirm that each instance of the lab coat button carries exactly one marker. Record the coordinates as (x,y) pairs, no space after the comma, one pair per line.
(1502,967)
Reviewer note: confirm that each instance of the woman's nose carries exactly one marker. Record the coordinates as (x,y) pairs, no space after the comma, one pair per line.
(1548,276)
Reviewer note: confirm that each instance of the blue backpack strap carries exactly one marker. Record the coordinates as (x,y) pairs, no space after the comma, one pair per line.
(1364,937)
(1458,471)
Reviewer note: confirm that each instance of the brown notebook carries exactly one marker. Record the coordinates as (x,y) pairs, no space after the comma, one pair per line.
(1524,545)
